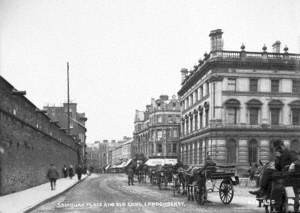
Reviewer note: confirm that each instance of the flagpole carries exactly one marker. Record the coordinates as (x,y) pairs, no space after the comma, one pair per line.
(68,91)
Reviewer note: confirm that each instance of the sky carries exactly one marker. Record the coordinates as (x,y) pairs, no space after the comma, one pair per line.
(123,53)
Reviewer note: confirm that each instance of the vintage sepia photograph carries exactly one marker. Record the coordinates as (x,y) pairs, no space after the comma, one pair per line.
(149,106)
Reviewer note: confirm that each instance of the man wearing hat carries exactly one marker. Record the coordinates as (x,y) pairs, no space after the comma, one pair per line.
(283,159)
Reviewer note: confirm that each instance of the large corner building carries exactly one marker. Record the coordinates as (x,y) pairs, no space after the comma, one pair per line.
(156,130)
(236,104)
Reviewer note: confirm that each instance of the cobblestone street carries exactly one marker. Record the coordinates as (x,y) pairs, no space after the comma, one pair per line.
(110,193)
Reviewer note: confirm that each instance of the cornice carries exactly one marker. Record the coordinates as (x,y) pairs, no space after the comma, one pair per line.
(234,60)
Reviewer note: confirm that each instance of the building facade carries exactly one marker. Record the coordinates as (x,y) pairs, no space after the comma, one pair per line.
(122,152)
(77,128)
(156,130)
(29,142)
(236,104)
(96,155)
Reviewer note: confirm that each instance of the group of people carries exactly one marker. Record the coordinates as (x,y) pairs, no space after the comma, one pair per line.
(283,160)
(209,165)
(53,174)
(69,171)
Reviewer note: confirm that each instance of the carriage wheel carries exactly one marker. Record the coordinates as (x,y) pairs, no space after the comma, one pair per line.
(226,191)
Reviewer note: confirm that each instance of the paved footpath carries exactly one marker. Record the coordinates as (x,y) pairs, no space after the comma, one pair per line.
(25,200)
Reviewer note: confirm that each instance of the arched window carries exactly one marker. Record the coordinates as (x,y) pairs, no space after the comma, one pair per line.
(275,108)
(295,108)
(231,148)
(253,107)
(232,107)
(206,107)
(252,151)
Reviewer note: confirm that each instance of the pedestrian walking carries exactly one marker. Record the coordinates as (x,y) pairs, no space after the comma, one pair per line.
(79,171)
(65,171)
(130,174)
(71,171)
(52,175)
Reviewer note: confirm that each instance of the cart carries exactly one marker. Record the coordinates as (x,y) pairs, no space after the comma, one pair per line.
(198,190)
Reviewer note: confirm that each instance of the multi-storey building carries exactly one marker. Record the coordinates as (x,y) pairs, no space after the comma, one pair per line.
(77,121)
(122,152)
(93,156)
(236,104)
(156,130)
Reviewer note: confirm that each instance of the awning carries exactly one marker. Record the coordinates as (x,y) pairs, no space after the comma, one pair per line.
(127,162)
(161,161)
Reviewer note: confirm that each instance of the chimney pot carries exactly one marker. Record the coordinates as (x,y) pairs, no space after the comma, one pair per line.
(276,47)
(216,40)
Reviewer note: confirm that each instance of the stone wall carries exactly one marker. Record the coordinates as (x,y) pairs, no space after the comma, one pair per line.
(29,142)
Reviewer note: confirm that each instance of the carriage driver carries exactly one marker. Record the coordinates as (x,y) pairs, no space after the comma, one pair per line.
(209,166)
(283,159)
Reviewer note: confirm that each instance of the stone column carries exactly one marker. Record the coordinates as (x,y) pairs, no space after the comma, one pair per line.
(285,115)
(220,151)
(218,100)
(203,151)
(264,150)
(192,152)
(265,114)
(214,149)
(243,158)
(243,114)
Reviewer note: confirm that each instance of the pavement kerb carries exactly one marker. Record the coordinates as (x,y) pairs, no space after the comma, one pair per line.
(34,206)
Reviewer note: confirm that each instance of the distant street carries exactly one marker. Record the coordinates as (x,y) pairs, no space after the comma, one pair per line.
(110,193)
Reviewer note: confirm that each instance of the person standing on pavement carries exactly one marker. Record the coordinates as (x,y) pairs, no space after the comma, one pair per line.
(65,171)
(71,171)
(79,171)
(52,175)
(130,174)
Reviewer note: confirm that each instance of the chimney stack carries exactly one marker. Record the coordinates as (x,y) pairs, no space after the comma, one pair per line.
(216,41)
(276,47)
(184,73)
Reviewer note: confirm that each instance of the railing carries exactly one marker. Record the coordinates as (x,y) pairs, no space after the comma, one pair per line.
(264,57)
(253,55)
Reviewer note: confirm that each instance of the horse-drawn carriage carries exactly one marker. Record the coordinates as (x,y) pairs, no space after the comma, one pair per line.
(164,175)
(193,183)
(284,192)
(160,171)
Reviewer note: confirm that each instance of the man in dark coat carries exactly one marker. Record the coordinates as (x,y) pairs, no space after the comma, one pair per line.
(71,171)
(79,171)
(65,171)
(130,174)
(52,175)
(283,159)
